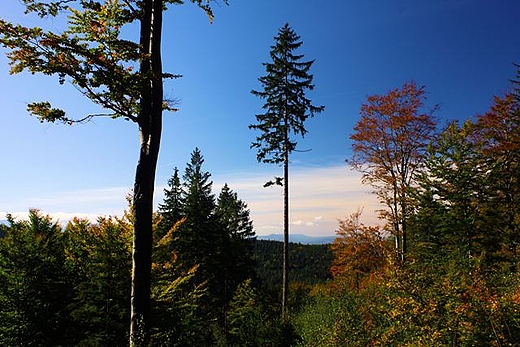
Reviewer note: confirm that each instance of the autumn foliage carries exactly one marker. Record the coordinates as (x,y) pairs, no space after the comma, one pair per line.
(389,143)
(359,250)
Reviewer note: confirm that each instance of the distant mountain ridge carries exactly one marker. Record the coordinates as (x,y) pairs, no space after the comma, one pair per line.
(299,238)
(295,238)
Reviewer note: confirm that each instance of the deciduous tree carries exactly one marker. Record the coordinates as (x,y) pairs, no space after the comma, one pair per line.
(358,250)
(175,296)
(389,144)
(499,131)
(286,110)
(122,76)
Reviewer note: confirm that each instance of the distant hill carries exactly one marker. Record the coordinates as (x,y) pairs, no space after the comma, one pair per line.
(299,238)
(308,264)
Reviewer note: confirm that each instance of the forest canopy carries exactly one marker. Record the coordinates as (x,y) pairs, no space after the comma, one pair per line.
(441,266)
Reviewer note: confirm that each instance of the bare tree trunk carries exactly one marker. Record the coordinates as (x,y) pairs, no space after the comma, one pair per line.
(285,272)
(404,241)
(150,127)
(397,230)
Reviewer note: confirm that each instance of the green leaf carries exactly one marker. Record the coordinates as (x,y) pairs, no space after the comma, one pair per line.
(46,113)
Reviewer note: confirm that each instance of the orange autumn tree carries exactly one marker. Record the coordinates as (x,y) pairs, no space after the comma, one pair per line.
(498,130)
(389,144)
(358,250)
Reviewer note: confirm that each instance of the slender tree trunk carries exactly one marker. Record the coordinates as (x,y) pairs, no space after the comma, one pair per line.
(404,241)
(397,229)
(150,127)
(285,271)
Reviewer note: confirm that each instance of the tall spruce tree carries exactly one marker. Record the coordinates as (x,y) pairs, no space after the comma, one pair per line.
(171,208)
(201,242)
(197,241)
(238,237)
(286,110)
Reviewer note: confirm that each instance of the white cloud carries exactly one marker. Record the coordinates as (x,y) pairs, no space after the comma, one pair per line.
(61,217)
(64,205)
(319,196)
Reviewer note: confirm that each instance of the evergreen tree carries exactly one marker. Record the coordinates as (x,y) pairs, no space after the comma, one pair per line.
(34,284)
(286,110)
(233,216)
(246,320)
(203,241)
(100,256)
(195,240)
(171,208)
(237,236)
(455,194)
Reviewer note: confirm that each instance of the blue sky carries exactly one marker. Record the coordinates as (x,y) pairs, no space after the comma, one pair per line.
(461,50)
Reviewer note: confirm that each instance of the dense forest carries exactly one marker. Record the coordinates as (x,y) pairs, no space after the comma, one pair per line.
(70,285)
(440,269)
(455,283)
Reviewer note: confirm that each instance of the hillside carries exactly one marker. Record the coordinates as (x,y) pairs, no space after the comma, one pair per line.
(299,238)
(307,263)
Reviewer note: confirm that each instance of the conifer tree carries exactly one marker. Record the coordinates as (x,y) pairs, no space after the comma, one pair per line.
(35,285)
(286,110)
(196,236)
(201,242)
(171,208)
(237,248)
(99,255)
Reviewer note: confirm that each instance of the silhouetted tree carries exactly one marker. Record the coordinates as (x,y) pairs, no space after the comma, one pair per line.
(286,110)
(237,249)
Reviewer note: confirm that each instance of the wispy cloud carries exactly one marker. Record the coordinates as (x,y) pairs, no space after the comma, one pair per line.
(64,205)
(60,217)
(319,196)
